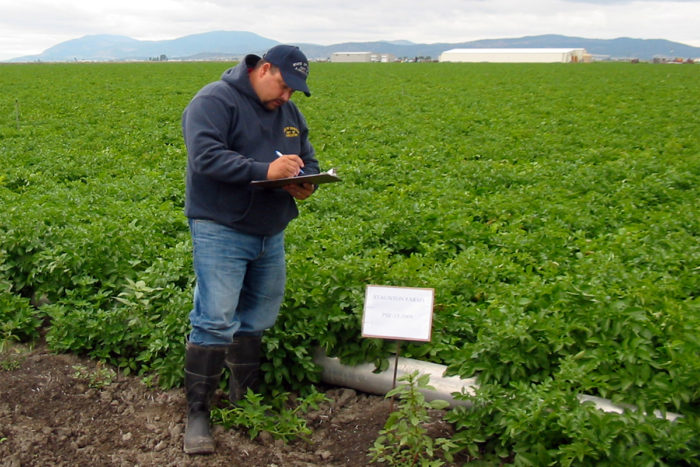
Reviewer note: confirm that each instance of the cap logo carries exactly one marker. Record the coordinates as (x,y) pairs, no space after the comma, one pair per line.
(301,67)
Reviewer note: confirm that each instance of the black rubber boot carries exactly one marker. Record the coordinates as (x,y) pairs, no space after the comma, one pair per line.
(243,361)
(203,367)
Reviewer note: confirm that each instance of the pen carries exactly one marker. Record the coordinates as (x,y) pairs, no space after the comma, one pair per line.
(279,154)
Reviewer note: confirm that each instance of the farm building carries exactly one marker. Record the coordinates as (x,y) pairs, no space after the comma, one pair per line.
(515,55)
(361,57)
(383,58)
(347,57)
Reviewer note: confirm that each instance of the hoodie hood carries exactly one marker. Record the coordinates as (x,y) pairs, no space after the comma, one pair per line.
(237,76)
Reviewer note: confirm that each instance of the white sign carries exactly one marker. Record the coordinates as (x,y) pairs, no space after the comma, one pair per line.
(398,313)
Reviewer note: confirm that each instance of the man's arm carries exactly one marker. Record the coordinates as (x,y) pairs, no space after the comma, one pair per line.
(205,125)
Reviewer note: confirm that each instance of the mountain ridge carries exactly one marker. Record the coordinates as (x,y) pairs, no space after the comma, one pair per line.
(235,44)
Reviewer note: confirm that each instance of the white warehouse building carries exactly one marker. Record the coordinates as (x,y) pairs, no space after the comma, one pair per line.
(351,57)
(515,55)
(361,57)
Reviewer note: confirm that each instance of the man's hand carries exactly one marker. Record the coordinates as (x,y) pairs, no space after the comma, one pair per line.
(288,165)
(299,191)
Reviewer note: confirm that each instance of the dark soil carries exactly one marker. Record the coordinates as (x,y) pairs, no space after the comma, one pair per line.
(52,412)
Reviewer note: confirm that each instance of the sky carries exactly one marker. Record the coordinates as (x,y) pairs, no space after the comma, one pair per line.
(28,27)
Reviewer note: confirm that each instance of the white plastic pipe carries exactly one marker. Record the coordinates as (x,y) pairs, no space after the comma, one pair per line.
(363,378)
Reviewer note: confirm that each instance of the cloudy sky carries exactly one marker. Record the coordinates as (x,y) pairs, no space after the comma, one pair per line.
(29,27)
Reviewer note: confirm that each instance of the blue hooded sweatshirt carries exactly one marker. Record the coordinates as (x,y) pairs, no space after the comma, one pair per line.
(231,139)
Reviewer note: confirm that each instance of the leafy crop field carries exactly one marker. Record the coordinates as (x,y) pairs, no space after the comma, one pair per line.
(553,208)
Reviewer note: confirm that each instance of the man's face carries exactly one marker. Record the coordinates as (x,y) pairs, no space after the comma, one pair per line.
(273,91)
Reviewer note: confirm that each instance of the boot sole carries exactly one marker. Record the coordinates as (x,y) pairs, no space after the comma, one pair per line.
(201,446)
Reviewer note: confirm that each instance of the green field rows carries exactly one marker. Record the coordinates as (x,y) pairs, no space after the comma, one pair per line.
(553,208)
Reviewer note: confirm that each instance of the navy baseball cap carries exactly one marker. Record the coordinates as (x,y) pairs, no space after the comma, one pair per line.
(292,63)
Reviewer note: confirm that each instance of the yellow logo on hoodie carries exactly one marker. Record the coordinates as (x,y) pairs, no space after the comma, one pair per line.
(291,132)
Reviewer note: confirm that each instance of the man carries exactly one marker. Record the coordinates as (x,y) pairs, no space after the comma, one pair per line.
(239,129)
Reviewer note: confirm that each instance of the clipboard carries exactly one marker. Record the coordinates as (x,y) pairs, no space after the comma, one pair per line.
(329,176)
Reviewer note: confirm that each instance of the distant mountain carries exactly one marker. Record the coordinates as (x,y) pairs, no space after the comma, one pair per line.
(621,48)
(232,45)
(229,44)
(644,49)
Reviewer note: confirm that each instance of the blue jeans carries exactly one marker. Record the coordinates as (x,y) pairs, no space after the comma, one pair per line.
(240,282)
